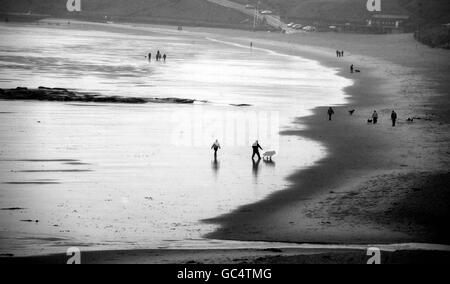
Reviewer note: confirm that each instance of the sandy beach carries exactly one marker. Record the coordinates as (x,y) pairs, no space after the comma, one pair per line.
(378,182)
(375,183)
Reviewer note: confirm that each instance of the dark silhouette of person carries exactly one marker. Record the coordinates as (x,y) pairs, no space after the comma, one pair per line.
(342,53)
(352,68)
(330,113)
(216,147)
(256,148)
(393,118)
(149,57)
(251,45)
(164,57)
(158,56)
(375,117)
(338,53)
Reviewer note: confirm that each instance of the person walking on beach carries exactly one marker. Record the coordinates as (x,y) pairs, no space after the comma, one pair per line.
(342,53)
(330,113)
(375,117)
(251,45)
(216,147)
(150,56)
(158,56)
(352,68)
(164,57)
(256,148)
(393,118)
(338,53)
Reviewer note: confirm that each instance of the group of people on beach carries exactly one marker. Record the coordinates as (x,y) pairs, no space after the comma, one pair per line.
(339,53)
(158,56)
(374,117)
(255,147)
(372,120)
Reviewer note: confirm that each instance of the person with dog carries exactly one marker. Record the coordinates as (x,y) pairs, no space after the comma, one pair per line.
(256,148)
(330,113)
(352,68)
(393,118)
(216,147)
(375,117)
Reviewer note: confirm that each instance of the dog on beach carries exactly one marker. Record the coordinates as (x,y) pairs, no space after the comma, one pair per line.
(268,155)
(369,120)
(351,112)
(357,71)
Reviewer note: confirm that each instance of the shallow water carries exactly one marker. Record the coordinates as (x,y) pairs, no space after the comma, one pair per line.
(143,176)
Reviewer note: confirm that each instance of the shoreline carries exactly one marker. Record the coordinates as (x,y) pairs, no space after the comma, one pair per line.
(240,256)
(358,154)
(290,216)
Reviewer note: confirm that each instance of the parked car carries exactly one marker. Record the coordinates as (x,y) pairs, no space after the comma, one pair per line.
(248,6)
(266,12)
(297,26)
(309,28)
(290,25)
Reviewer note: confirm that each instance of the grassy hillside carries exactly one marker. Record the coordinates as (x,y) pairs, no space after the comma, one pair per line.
(161,11)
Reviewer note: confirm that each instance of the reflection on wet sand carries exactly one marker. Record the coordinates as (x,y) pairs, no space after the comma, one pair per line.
(270,163)
(256,168)
(215,166)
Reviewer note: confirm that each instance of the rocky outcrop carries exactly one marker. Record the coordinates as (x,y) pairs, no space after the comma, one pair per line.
(64,95)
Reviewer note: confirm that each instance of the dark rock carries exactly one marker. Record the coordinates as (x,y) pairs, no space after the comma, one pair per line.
(12,209)
(61,89)
(64,95)
(241,105)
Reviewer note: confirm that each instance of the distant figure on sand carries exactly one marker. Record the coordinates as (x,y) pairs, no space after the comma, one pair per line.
(342,53)
(256,148)
(164,57)
(393,118)
(375,117)
(330,113)
(149,57)
(216,147)
(158,56)
(251,45)
(337,53)
(352,68)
